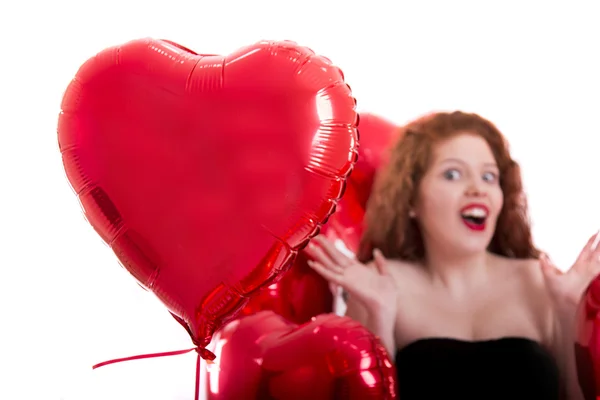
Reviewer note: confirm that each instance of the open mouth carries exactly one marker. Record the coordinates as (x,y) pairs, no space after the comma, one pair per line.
(474,217)
(474,220)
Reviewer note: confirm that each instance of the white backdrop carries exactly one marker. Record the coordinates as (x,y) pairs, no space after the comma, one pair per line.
(65,304)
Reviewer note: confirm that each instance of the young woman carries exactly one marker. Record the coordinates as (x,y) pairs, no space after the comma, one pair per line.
(447,274)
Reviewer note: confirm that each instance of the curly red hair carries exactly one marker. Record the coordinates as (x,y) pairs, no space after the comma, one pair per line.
(388,226)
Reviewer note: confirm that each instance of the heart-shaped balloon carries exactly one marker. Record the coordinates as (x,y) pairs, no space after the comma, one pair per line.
(263,356)
(206,174)
(376,137)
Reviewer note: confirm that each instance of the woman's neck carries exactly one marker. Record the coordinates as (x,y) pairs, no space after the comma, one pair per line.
(459,274)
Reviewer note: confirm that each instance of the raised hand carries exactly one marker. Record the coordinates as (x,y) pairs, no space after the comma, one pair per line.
(567,288)
(371,285)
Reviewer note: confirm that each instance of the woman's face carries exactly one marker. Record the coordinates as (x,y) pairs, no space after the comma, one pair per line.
(459,197)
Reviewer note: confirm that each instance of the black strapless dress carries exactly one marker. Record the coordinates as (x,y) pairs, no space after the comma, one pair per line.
(506,368)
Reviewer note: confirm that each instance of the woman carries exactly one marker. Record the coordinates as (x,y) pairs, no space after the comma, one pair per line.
(447,274)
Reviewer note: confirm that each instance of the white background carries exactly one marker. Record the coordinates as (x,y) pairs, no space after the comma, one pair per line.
(65,304)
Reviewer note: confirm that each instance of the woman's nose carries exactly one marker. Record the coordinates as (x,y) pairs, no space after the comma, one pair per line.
(475,189)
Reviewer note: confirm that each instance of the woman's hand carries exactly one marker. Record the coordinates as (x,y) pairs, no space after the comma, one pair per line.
(567,288)
(370,285)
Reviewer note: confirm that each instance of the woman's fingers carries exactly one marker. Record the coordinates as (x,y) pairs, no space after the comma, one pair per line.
(588,260)
(594,250)
(588,249)
(331,251)
(380,262)
(320,256)
(548,267)
(327,273)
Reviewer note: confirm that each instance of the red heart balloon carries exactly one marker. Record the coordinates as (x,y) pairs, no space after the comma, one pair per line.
(263,356)
(206,174)
(376,136)
(300,294)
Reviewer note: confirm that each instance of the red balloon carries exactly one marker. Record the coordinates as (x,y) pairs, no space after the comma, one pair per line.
(300,294)
(263,356)
(587,346)
(206,174)
(376,136)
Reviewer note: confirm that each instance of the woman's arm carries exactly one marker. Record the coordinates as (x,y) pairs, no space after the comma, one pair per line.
(378,319)
(559,328)
(564,352)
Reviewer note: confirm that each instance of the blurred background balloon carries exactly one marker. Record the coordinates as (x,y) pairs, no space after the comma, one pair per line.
(587,345)
(376,135)
(263,356)
(297,296)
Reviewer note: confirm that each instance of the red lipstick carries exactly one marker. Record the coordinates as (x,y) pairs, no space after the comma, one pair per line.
(474,216)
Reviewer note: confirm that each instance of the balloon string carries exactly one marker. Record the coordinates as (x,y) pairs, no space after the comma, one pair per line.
(163,354)
(139,357)
(197,394)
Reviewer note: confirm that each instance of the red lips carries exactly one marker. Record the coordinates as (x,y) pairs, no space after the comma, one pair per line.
(475,223)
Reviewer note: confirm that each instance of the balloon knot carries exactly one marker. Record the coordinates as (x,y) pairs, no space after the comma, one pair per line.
(206,355)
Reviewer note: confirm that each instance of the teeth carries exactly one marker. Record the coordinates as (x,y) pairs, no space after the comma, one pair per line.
(475,212)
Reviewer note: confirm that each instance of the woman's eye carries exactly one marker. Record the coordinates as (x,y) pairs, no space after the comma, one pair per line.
(452,174)
(490,177)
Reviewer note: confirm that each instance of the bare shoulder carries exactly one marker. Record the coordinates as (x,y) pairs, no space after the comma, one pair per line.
(527,274)
(530,280)
(405,272)
(529,271)
(401,268)
(409,277)
(404,268)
